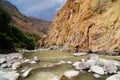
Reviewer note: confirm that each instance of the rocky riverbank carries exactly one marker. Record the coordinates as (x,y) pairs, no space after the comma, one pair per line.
(16,65)
(10,64)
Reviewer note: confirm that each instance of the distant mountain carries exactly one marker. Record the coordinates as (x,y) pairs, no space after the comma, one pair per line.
(29,24)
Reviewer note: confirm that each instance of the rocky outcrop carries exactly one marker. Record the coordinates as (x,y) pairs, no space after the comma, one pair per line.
(87,25)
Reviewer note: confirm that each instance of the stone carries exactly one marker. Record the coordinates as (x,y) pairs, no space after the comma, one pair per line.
(2,72)
(79,54)
(94,57)
(114,77)
(71,73)
(111,69)
(107,62)
(97,69)
(13,75)
(4,65)
(83,65)
(27,61)
(36,59)
(76,65)
(16,65)
(1,78)
(26,73)
(91,62)
(96,75)
(33,62)
(3,60)
(69,62)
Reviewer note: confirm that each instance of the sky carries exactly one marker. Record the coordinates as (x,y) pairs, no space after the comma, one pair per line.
(43,9)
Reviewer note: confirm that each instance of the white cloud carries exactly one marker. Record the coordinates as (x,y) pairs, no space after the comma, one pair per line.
(37,7)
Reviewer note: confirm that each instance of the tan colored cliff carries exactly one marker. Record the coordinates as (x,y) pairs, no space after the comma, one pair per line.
(83,25)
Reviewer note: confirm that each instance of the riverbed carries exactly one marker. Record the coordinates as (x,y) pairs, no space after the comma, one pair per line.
(43,70)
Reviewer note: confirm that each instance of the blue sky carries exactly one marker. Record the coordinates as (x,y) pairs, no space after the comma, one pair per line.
(43,9)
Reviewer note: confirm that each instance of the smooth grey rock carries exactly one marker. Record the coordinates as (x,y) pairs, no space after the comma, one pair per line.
(16,65)
(96,75)
(114,77)
(97,69)
(4,65)
(94,57)
(71,73)
(69,62)
(13,75)
(92,62)
(83,65)
(3,60)
(26,73)
(111,68)
(76,65)
(33,62)
(79,54)
(1,78)
(2,72)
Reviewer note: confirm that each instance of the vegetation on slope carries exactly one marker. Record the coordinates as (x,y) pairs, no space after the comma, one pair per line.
(11,37)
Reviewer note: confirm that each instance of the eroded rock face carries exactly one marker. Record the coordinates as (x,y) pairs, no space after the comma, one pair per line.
(83,25)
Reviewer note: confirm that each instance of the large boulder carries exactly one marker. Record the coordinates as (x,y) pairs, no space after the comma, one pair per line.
(111,68)
(114,77)
(2,60)
(76,65)
(13,75)
(2,72)
(97,69)
(107,62)
(1,78)
(83,65)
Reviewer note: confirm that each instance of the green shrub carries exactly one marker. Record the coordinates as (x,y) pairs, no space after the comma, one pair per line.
(11,37)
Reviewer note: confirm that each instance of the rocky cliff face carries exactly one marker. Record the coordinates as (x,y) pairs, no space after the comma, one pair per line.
(87,25)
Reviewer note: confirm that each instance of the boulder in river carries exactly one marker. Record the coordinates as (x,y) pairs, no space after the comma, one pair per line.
(1,78)
(114,77)
(2,60)
(13,75)
(16,65)
(97,69)
(4,65)
(70,74)
(26,73)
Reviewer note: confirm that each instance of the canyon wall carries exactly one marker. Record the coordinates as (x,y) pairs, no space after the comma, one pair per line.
(87,25)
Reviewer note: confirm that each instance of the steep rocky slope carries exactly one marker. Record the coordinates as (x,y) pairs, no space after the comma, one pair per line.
(29,24)
(87,25)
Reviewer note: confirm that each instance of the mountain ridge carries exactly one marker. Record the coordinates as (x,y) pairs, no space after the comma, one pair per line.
(24,22)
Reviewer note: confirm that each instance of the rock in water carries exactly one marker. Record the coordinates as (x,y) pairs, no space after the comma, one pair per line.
(70,74)
(87,25)
(25,74)
(1,78)
(11,75)
(2,60)
(114,77)
(97,69)
(16,65)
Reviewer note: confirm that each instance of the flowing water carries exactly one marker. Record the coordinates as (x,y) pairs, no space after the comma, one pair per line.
(56,72)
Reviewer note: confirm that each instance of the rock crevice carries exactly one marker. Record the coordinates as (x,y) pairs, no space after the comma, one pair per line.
(88,25)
